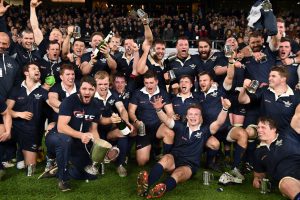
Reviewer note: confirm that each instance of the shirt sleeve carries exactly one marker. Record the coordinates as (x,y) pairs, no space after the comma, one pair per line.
(3,105)
(65,107)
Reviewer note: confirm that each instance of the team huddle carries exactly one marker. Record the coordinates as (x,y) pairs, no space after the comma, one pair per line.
(174,108)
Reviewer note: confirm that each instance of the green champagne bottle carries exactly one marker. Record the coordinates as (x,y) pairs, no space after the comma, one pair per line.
(123,128)
(100,45)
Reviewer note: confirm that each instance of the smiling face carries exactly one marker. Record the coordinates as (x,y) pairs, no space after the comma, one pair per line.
(194,117)
(102,86)
(266,133)
(205,82)
(68,77)
(27,40)
(160,50)
(256,43)
(78,48)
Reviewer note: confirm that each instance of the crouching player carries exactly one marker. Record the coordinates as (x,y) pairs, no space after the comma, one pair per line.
(76,126)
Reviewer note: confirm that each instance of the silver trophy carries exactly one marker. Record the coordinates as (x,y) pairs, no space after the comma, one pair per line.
(143,16)
(77,32)
(172,75)
(141,129)
(207,177)
(253,86)
(228,51)
(265,186)
(98,152)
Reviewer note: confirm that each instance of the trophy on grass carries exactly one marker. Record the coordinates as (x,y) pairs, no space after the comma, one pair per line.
(98,152)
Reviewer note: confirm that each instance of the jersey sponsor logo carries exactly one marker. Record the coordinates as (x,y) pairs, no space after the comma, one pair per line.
(278,143)
(21,98)
(43,67)
(176,105)
(37,96)
(81,115)
(287,104)
(142,102)
(198,134)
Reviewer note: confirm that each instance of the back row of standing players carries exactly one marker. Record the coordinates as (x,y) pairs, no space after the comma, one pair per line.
(141,75)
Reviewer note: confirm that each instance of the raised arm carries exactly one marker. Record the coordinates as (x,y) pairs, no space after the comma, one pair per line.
(3,9)
(214,127)
(66,44)
(38,35)
(158,105)
(142,68)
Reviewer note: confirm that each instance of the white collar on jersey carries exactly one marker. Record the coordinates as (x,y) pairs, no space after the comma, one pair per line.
(157,91)
(29,91)
(74,90)
(263,144)
(289,92)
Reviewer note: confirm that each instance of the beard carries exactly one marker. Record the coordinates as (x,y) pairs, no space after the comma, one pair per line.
(204,55)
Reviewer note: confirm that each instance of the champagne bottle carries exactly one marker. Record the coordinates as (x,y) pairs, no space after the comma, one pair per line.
(100,45)
(123,128)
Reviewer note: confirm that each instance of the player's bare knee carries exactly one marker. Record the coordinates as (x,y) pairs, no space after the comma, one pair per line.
(213,143)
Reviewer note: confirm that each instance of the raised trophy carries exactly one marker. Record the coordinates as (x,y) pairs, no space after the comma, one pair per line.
(98,152)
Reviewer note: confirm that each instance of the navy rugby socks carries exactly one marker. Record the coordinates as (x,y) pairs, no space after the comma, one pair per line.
(170,183)
(155,173)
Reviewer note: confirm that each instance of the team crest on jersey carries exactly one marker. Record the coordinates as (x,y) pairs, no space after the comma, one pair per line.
(9,65)
(278,143)
(126,95)
(111,102)
(214,94)
(37,96)
(287,104)
(213,58)
(57,69)
(103,60)
(198,135)
(193,66)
